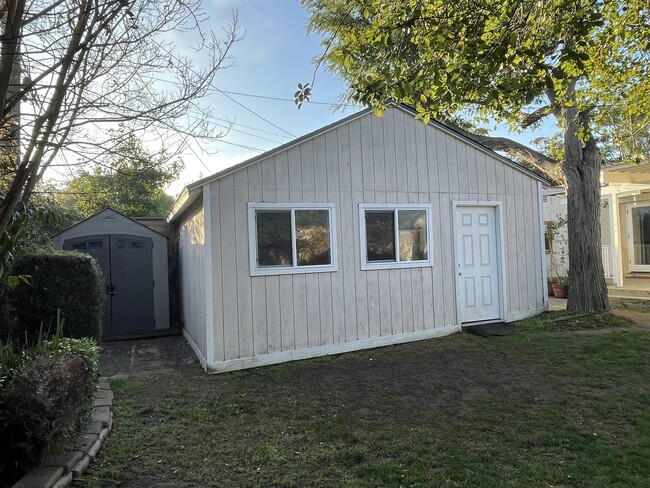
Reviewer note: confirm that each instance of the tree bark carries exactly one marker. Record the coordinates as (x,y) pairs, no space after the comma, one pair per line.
(587,288)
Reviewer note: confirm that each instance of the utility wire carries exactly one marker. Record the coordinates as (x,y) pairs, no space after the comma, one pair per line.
(251,148)
(250,127)
(254,113)
(291,99)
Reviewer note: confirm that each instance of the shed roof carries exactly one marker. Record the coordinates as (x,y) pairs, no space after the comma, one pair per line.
(106,213)
(191,192)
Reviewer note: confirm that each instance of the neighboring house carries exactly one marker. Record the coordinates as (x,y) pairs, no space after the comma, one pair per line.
(555,212)
(624,219)
(368,232)
(133,259)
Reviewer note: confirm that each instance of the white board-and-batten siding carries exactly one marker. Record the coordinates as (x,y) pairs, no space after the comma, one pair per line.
(393,159)
(192,279)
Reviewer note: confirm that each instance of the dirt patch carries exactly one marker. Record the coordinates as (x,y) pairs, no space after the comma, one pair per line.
(423,379)
(170,355)
(641,318)
(457,411)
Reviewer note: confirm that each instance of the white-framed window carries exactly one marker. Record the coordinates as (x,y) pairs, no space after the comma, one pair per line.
(395,235)
(290,238)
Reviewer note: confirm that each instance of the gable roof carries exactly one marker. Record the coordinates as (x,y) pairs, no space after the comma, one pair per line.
(191,192)
(106,211)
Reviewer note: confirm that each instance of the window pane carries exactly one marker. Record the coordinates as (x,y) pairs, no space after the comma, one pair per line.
(137,244)
(313,237)
(274,238)
(95,245)
(380,235)
(412,235)
(641,234)
(79,247)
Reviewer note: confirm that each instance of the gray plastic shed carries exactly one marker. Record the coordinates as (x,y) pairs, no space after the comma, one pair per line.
(133,259)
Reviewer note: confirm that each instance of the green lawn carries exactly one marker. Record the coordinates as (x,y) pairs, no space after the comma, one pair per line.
(560,406)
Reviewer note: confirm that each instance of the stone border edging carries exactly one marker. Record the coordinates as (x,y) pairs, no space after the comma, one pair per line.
(58,471)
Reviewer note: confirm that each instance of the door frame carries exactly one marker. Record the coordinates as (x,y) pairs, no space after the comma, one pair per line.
(500,246)
(640,268)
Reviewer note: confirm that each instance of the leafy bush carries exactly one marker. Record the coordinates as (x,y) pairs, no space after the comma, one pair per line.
(46,393)
(57,280)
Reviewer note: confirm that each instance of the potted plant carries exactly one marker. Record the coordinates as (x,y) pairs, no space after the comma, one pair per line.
(561,289)
(559,280)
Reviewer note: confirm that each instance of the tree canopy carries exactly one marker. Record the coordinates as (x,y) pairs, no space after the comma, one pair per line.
(72,69)
(131,181)
(586,63)
(517,61)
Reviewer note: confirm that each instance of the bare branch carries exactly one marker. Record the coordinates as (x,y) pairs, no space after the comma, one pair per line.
(88,66)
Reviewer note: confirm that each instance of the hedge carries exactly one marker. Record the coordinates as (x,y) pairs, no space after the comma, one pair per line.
(46,393)
(57,280)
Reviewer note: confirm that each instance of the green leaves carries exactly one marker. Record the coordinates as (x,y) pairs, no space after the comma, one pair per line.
(132,180)
(458,52)
(302,95)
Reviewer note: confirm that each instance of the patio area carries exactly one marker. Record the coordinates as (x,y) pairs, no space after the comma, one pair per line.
(634,292)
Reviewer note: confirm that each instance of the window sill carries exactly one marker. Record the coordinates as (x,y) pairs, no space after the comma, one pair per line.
(365,266)
(292,271)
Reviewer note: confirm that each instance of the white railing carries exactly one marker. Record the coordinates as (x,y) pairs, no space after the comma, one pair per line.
(607,261)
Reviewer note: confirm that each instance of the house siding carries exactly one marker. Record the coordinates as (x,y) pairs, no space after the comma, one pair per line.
(392,159)
(192,277)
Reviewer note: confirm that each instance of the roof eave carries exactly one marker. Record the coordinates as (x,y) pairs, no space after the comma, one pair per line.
(185,200)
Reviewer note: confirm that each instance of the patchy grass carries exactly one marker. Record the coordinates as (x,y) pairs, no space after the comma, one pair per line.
(539,408)
(563,320)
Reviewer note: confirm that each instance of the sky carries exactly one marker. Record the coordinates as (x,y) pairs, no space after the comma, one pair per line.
(274,55)
(255,94)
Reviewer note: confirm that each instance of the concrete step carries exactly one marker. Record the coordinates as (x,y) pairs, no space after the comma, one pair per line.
(628,292)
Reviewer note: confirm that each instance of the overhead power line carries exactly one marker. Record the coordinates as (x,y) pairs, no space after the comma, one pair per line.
(279,99)
(255,113)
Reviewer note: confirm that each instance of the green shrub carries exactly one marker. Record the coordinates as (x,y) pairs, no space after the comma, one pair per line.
(46,393)
(58,280)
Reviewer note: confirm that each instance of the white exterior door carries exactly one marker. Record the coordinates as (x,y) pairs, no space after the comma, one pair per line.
(477,263)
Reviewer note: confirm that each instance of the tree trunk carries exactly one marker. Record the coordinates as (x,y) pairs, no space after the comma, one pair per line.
(587,288)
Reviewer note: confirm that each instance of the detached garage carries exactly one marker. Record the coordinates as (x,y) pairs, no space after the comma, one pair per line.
(368,232)
(133,259)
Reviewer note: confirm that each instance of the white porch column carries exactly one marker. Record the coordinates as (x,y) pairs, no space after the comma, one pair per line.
(542,230)
(615,230)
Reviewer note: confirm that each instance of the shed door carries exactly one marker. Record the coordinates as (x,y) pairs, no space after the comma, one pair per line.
(477,263)
(127,264)
(99,248)
(132,279)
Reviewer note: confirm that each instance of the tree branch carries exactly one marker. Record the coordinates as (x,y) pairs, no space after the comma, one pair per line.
(526,120)
(547,166)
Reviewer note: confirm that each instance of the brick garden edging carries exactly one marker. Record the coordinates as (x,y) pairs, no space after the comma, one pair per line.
(59,470)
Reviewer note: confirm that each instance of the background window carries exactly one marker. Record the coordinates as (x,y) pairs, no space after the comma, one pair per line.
(313,237)
(412,235)
(296,238)
(395,236)
(380,235)
(274,238)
